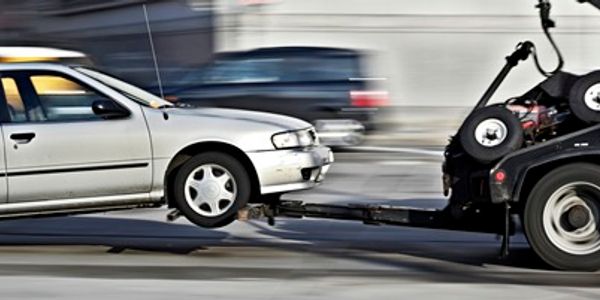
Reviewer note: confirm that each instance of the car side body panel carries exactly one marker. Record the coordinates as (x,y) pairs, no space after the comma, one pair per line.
(173,130)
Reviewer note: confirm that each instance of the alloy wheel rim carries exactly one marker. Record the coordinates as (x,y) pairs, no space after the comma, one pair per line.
(592,97)
(210,190)
(491,133)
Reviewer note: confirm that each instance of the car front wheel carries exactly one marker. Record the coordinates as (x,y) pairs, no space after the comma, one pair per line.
(210,188)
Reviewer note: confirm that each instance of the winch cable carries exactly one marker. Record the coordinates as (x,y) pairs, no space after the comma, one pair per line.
(547,23)
(537,61)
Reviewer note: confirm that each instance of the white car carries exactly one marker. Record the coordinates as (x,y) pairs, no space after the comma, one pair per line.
(77,140)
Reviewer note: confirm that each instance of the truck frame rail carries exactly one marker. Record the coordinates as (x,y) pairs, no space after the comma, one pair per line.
(445,219)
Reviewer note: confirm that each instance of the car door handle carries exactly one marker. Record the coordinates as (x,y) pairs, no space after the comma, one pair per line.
(22,138)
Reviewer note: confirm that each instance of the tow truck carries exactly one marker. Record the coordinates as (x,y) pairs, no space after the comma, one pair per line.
(535,157)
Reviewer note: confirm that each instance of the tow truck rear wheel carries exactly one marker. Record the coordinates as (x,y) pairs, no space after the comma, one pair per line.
(491,133)
(562,217)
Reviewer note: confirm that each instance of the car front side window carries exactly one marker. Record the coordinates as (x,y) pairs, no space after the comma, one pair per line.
(63,99)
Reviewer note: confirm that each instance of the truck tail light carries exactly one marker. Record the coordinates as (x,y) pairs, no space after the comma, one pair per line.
(499,176)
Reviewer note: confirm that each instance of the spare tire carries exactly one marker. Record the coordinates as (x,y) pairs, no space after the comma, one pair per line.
(490,133)
(584,98)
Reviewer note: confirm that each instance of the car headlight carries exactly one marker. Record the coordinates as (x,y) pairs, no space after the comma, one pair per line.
(295,139)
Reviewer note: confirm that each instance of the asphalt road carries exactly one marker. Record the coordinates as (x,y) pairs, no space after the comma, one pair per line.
(137,255)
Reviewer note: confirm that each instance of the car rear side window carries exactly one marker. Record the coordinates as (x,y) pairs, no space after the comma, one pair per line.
(14,102)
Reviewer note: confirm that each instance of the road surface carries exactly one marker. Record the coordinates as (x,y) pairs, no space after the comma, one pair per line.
(138,255)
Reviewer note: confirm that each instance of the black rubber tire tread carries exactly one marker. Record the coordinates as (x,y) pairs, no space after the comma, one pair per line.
(577,98)
(533,219)
(238,172)
(513,141)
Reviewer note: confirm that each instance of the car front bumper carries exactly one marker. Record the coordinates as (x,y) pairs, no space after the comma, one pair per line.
(289,170)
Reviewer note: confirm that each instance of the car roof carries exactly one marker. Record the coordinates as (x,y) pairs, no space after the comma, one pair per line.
(32,66)
(20,52)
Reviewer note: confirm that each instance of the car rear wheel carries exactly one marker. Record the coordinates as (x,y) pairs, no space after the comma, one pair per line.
(210,188)
(562,217)
(491,133)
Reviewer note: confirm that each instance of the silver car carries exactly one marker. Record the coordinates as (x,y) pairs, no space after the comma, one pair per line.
(77,140)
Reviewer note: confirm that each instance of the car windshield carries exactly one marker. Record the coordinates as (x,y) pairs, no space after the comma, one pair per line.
(134,93)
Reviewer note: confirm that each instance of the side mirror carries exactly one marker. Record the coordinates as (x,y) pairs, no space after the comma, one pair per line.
(109,109)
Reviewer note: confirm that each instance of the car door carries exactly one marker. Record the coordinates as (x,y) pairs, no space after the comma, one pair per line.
(57,148)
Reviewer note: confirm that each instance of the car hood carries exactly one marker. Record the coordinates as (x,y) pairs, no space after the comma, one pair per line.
(281,121)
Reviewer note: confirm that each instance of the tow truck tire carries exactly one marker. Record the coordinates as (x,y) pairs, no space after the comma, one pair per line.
(490,133)
(584,98)
(210,188)
(561,217)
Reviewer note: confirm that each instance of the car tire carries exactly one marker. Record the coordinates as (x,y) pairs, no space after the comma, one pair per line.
(210,188)
(490,133)
(584,98)
(561,217)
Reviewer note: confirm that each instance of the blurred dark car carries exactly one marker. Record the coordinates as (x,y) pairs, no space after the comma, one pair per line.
(324,86)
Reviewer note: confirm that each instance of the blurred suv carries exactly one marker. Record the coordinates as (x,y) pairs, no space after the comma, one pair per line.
(324,86)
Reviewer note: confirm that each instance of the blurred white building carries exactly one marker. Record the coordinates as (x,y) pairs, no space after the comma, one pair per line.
(433,52)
